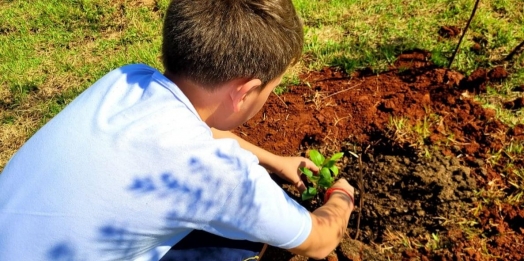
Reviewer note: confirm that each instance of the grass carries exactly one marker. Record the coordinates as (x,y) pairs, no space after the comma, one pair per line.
(404,131)
(52,50)
(356,34)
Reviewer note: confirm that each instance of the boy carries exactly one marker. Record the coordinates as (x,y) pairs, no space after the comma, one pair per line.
(142,161)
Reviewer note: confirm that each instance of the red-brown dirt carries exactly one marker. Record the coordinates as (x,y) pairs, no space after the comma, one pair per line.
(449,31)
(425,147)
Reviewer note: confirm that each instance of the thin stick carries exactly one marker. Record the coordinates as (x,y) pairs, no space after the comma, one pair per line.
(352,87)
(283,102)
(463,33)
(515,52)
(362,193)
(361,201)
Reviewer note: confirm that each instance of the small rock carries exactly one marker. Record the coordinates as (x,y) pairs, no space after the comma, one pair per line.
(498,73)
(406,161)
(476,48)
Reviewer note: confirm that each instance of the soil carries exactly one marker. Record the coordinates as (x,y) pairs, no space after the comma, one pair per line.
(449,31)
(425,159)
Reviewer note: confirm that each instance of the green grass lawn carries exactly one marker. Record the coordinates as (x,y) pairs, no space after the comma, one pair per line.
(52,50)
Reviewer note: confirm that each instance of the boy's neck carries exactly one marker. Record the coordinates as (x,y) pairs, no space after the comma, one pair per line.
(205,102)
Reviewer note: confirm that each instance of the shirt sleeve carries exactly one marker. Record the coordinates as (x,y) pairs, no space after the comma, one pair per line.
(259,210)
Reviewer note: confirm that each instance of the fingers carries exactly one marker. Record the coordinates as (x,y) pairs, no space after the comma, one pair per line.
(307,163)
(300,186)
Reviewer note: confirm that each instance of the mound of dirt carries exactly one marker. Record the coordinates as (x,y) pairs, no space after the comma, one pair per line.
(424,143)
(413,196)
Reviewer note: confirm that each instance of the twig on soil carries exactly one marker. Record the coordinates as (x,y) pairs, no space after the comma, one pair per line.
(362,193)
(360,187)
(352,87)
(463,33)
(283,102)
(515,52)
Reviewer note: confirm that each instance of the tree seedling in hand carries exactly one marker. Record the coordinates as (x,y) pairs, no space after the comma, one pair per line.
(326,176)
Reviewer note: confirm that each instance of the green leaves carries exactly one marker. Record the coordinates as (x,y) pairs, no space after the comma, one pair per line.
(307,172)
(337,156)
(316,157)
(326,176)
(326,180)
(309,193)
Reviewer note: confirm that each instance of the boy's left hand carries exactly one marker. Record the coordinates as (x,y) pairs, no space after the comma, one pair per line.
(288,169)
(285,167)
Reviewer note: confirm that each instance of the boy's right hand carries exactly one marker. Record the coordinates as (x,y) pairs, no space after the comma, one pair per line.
(343,184)
(329,223)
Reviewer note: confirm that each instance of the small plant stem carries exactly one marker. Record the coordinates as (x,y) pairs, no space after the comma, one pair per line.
(352,87)
(283,102)
(463,33)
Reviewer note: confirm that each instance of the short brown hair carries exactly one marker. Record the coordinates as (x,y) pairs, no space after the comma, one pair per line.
(213,41)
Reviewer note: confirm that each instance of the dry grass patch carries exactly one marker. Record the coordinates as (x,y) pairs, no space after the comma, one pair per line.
(13,134)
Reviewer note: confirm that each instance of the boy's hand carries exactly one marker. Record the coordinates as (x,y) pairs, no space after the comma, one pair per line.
(285,167)
(288,169)
(343,184)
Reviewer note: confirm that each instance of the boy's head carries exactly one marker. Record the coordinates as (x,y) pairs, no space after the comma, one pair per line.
(211,42)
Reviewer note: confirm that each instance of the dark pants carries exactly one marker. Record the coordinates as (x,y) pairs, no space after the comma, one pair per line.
(203,246)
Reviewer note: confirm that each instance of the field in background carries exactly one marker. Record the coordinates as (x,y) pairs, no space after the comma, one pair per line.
(52,50)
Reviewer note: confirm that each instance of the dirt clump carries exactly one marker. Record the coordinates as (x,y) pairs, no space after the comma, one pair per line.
(449,31)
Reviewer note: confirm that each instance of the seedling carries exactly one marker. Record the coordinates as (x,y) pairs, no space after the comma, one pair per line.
(325,178)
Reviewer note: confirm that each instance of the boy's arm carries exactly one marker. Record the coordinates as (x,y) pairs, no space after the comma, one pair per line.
(329,224)
(285,167)
(266,158)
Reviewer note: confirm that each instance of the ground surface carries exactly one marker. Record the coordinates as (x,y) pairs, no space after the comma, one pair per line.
(426,150)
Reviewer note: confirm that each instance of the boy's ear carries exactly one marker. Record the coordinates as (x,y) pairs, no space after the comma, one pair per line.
(239,92)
